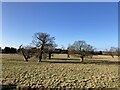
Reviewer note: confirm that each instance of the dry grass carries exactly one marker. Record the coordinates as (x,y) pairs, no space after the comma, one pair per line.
(52,75)
(12,56)
(105,57)
(95,57)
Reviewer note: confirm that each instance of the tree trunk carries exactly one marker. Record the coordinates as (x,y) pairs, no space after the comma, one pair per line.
(82,57)
(40,57)
(91,56)
(41,53)
(112,55)
(26,59)
(50,55)
(68,55)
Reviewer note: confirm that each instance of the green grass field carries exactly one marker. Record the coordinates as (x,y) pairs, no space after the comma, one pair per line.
(98,72)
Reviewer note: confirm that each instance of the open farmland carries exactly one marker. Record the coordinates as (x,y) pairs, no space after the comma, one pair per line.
(60,72)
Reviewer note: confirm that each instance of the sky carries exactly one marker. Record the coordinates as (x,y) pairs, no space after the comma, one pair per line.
(95,23)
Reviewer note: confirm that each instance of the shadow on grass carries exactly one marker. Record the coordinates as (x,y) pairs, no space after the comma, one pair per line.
(65,59)
(108,62)
(14,87)
(77,61)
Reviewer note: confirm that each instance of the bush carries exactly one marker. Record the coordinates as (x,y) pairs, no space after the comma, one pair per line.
(9,50)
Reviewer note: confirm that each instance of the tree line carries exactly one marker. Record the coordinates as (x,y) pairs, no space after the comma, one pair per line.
(44,46)
(9,50)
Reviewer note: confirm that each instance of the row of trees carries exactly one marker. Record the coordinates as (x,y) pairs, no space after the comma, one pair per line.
(8,50)
(45,45)
(114,51)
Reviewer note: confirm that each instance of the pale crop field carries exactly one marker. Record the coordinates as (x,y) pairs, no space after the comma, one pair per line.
(98,72)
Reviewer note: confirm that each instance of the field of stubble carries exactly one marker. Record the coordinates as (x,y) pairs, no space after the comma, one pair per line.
(98,72)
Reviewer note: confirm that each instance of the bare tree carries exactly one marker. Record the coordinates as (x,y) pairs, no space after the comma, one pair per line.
(27,52)
(68,53)
(118,52)
(62,47)
(113,51)
(81,48)
(44,42)
(71,50)
(23,52)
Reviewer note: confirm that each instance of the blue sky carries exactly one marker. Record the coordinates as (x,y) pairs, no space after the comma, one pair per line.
(95,23)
